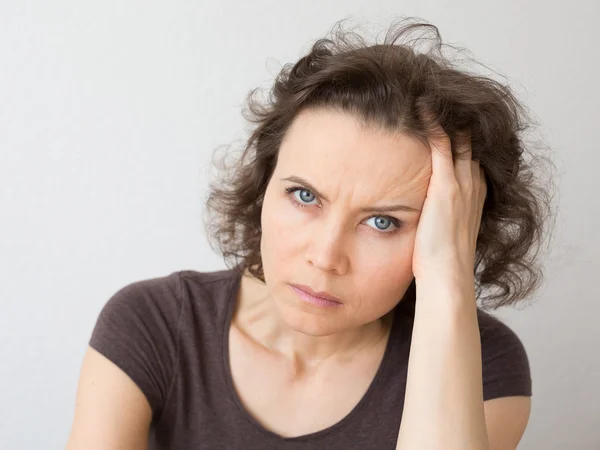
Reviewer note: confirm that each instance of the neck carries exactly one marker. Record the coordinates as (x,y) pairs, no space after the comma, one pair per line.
(258,317)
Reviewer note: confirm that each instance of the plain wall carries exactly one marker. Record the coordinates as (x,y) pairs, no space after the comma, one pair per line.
(109,114)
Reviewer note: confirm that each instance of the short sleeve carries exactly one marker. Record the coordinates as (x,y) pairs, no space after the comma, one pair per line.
(137,330)
(505,364)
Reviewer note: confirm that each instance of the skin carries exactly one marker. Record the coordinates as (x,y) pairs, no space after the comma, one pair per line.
(446,411)
(324,240)
(330,244)
(304,353)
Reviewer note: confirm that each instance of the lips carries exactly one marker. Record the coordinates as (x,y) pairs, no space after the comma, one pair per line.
(319,294)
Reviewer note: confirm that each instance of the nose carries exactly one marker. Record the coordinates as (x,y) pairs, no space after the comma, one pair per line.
(327,250)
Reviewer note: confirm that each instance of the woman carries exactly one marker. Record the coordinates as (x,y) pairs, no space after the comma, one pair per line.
(381,192)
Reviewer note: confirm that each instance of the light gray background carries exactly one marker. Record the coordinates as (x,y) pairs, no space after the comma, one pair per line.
(109,112)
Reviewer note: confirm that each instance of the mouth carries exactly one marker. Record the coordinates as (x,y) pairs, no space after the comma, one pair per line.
(320,298)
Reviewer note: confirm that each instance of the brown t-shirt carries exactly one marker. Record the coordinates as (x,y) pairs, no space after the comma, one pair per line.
(170,335)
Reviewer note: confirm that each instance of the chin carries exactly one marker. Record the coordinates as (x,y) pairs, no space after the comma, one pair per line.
(310,326)
(307,320)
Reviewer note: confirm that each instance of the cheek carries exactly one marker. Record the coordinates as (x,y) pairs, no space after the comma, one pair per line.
(390,278)
(375,253)
(386,270)
(282,222)
(384,288)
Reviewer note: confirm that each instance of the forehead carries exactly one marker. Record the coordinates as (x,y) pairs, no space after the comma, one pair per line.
(335,146)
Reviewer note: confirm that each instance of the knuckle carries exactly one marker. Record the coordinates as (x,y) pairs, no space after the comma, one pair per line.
(453,189)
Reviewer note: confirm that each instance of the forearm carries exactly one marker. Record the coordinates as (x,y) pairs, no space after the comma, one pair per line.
(443,406)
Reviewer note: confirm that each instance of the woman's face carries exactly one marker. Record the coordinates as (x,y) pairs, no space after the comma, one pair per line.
(319,224)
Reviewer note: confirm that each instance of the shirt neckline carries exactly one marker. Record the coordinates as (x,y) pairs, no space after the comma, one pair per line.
(380,375)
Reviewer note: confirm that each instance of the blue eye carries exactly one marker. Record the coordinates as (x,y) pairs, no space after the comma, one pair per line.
(383,224)
(304,196)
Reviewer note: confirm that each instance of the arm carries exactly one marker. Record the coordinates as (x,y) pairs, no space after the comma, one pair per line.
(111,412)
(444,407)
(129,367)
(506,419)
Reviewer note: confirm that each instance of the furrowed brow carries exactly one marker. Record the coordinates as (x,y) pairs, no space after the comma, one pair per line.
(370,209)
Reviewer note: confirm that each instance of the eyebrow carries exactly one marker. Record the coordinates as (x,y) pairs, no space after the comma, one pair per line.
(377,209)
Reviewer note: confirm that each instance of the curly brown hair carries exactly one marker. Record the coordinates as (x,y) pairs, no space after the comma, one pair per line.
(390,85)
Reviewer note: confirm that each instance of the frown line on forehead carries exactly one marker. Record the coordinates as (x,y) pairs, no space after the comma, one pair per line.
(367,209)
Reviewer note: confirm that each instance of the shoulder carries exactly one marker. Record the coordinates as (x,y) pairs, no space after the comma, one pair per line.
(137,330)
(505,364)
(209,282)
(139,326)
(498,338)
(147,300)
(159,301)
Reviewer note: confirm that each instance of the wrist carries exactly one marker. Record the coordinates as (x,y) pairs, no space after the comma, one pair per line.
(448,280)
(447,289)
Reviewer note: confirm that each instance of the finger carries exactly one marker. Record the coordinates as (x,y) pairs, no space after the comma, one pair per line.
(463,158)
(441,152)
(480,195)
(483,188)
(476,193)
